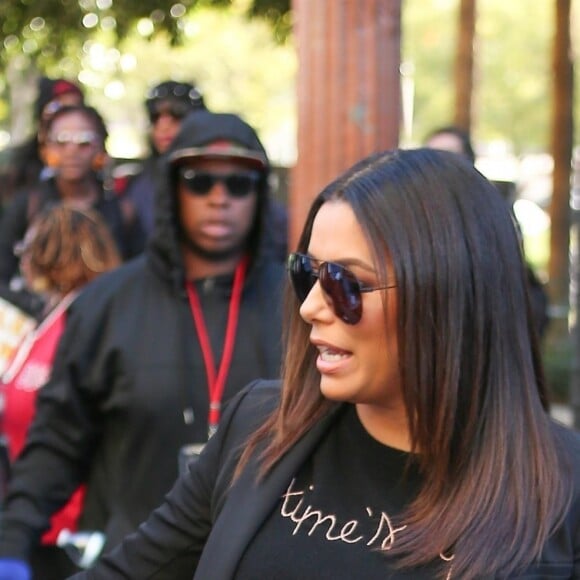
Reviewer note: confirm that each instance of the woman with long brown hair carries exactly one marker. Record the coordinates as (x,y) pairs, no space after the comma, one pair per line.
(411,437)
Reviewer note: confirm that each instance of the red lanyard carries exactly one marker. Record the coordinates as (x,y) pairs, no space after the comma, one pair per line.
(217,381)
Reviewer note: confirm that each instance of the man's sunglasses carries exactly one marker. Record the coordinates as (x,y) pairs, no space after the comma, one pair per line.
(342,287)
(238,184)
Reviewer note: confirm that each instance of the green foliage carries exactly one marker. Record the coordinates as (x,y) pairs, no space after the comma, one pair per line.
(514,73)
(58,38)
(44,29)
(512,85)
(277,12)
(236,63)
(428,45)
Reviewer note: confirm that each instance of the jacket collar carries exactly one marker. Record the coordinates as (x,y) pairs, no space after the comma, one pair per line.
(249,503)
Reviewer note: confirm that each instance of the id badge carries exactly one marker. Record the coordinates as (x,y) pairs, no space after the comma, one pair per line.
(187,455)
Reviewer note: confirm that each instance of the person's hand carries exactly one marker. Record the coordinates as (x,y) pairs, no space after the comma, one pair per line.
(11,569)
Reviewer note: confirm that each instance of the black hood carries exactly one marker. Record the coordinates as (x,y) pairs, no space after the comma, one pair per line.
(233,138)
(236,139)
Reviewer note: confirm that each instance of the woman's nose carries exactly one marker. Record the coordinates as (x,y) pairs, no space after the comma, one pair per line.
(317,306)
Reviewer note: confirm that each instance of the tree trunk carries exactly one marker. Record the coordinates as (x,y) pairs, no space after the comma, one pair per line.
(560,215)
(464,64)
(561,149)
(349,101)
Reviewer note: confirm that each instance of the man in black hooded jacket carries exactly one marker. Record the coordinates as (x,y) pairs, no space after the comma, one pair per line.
(153,350)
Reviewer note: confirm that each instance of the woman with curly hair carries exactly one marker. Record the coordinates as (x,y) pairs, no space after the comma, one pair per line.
(63,249)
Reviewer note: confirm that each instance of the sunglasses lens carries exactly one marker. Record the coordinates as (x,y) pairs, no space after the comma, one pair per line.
(301,275)
(174,109)
(82,138)
(344,291)
(197,182)
(179,109)
(240,185)
(338,283)
(85,138)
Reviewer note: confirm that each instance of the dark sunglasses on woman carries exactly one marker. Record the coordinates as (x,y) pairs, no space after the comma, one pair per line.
(342,287)
(238,185)
(175,109)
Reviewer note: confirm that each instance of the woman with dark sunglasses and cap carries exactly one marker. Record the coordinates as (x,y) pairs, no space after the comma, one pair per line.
(167,104)
(412,437)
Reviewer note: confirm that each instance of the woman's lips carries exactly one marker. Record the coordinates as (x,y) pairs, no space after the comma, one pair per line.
(330,359)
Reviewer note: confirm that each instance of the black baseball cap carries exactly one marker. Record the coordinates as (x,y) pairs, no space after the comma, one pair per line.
(208,135)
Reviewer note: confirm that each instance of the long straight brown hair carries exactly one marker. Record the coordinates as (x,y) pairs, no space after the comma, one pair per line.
(496,480)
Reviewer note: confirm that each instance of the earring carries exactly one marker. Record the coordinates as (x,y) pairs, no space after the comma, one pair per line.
(50,157)
(99,161)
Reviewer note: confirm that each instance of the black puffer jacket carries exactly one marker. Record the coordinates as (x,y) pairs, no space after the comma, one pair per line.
(128,366)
